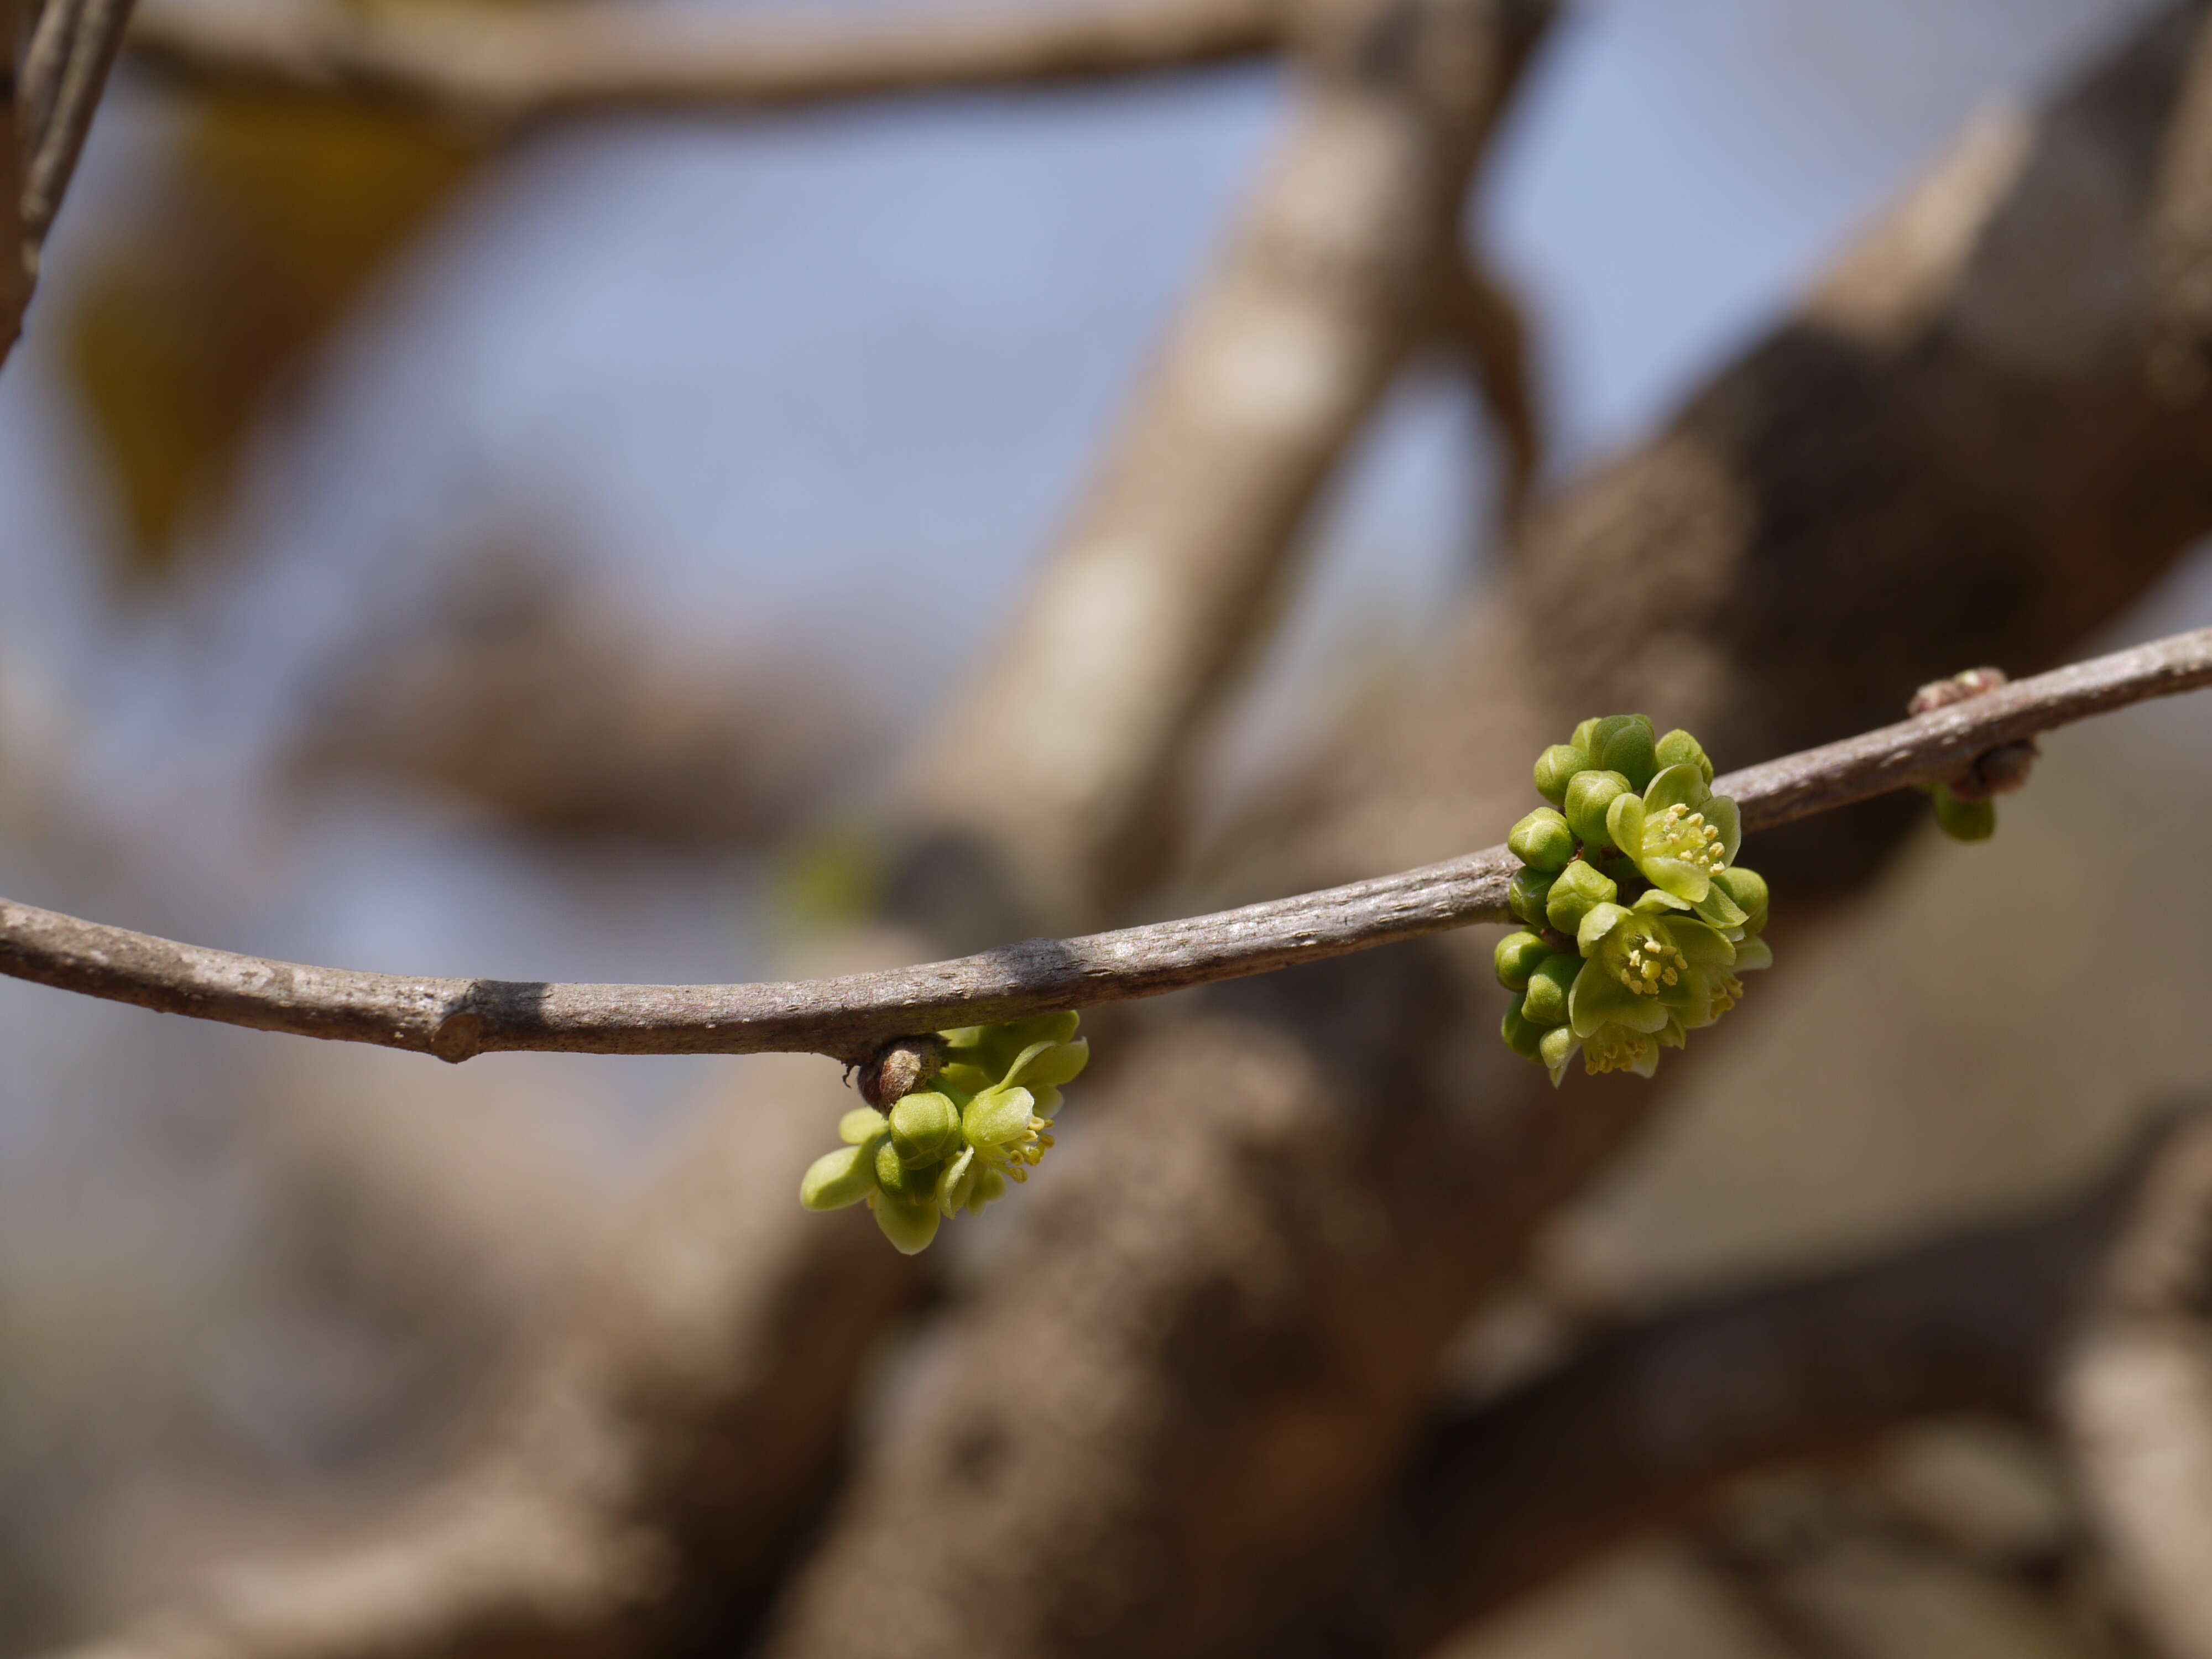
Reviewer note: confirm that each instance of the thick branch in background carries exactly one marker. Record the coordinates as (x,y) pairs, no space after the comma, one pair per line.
(487,66)
(1222,1334)
(1160,589)
(15,257)
(849,1018)
(713,1473)
(1643,1429)
(2138,1403)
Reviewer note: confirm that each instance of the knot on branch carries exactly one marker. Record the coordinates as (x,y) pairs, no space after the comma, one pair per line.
(1964,806)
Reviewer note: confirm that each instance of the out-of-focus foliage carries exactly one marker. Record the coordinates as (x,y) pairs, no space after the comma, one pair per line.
(278,216)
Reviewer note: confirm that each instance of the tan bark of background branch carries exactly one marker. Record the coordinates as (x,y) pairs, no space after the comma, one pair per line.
(1211,1342)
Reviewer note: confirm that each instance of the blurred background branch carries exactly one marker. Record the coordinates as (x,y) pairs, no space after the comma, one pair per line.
(486,66)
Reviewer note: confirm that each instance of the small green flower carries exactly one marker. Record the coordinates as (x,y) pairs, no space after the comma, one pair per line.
(1678,834)
(986,1119)
(1679,748)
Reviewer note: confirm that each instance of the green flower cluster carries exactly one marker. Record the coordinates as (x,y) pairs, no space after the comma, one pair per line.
(981,1116)
(1640,919)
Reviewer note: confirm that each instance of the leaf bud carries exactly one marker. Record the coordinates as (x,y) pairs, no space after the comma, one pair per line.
(1588,797)
(1520,1037)
(1679,748)
(838,1178)
(924,1128)
(899,1067)
(1546,1003)
(1965,820)
(1525,894)
(1518,955)
(1555,768)
(1542,840)
(1578,889)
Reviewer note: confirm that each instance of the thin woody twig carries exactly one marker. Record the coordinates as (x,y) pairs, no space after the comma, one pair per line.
(848,1017)
(490,66)
(64,70)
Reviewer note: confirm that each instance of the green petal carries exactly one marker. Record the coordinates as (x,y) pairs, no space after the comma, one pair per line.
(1658,901)
(1678,786)
(1601,920)
(1701,946)
(1623,821)
(1721,812)
(1721,911)
(909,1224)
(838,1178)
(1598,998)
(1688,882)
(1559,1046)
(996,1116)
(1063,1064)
(860,1125)
(1753,953)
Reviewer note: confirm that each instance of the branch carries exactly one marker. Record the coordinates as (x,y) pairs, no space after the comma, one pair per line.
(487,65)
(847,1018)
(53,94)
(2136,1399)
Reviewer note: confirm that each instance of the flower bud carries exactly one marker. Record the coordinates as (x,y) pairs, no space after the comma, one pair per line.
(1578,889)
(924,1128)
(1525,895)
(909,1223)
(1588,797)
(1542,841)
(1518,955)
(892,1174)
(1965,820)
(860,1125)
(1749,888)
(836,1179)
(1624,744)
(1520,1036)
(1555,768)
(1679,748)
(1556,1049)
(1546,1004)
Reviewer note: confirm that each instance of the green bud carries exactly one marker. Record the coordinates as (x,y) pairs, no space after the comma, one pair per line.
(1749,888)
(1624,744)
(1555,767)
(861,1124)
(838,1178)
(1588,797)
(924,1128)
(1518,955)
(1965,820)
(1578,889)
(1520,1036)
(1585,735)
(1556,1049)
(1679,748)
(1527,893)
(892,1174)
(1542,841)
(909,1223)
(1546,1003)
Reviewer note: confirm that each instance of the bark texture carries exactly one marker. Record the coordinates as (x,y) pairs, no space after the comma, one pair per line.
(1215,1345)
